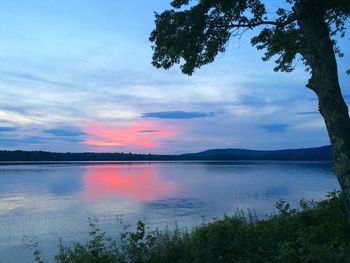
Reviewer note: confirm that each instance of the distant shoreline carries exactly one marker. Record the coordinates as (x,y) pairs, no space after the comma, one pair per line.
(305,154)
(3,163)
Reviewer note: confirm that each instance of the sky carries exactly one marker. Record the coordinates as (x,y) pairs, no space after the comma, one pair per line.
(76,76)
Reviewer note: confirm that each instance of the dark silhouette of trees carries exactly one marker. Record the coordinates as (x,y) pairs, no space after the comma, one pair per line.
(307,154)
(194,32)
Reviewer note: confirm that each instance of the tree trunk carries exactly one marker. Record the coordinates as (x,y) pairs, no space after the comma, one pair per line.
(318,52)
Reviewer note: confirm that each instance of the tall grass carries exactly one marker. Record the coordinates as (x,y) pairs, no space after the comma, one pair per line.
(315,232)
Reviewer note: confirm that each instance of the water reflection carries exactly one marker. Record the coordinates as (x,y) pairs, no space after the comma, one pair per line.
(60,180)
(142,183)
(54,201)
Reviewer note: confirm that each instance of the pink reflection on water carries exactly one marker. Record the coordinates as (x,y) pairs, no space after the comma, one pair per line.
(138,182)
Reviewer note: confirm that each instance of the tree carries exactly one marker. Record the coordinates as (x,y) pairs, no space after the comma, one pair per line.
(194,32)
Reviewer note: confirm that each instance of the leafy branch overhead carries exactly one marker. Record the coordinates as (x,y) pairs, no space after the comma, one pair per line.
(193,33)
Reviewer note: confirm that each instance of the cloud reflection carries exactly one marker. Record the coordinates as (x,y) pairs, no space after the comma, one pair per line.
(144,184)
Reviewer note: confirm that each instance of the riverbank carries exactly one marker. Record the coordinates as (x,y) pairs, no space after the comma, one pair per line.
(312,233)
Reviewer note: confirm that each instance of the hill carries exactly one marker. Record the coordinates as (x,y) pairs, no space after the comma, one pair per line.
(320,153)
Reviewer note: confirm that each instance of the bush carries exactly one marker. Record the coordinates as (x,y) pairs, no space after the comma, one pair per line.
(316,232)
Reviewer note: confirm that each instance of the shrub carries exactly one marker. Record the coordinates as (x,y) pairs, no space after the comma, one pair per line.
(316,232)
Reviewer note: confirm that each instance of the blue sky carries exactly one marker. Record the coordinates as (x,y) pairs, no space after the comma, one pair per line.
(77,76)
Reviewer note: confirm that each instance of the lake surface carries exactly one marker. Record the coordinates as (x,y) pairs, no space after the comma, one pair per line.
(52,201)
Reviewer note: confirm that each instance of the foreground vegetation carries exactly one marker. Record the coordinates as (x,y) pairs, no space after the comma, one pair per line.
(316,232)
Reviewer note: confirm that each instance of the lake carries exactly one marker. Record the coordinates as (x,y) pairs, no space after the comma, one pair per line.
(52,201)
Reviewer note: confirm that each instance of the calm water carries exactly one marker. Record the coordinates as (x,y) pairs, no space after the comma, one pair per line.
(53,201)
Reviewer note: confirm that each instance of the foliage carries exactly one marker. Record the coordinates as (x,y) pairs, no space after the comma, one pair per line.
(33,245)
(316,232)
(193,33)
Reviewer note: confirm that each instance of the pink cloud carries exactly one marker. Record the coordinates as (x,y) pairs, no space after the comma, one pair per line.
(143,134)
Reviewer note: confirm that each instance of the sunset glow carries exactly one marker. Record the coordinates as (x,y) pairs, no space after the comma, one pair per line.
(141,134)
(113,180)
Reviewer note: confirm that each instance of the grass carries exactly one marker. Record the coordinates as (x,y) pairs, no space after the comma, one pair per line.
(315,232)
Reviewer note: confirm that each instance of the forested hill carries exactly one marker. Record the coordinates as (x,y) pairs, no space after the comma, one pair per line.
(320,153)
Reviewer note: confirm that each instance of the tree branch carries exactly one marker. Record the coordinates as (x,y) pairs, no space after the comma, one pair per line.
(260,23)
